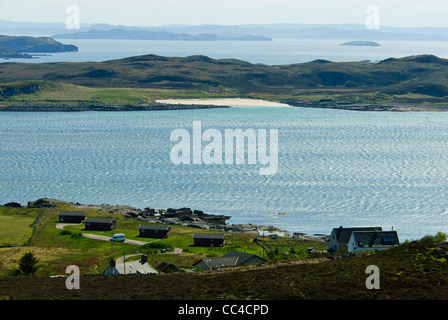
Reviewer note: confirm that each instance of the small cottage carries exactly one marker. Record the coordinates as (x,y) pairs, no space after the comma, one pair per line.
(100,224)
(133,267)
(372,240)
(361,239)
(154,230)
(231,258)
(209,239)
(167,267)
(72,216)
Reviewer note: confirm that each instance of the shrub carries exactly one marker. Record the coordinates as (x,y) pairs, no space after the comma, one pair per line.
(27,264)
(439,237)
(156,245)
(77,235)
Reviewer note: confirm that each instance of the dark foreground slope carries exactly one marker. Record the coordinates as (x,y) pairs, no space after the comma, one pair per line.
(412,271)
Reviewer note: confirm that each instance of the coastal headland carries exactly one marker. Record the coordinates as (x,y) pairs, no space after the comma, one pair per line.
(415,83)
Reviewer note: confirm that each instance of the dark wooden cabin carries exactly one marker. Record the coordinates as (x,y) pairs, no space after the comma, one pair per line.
(209,239)
(100,224)
(154,230)
(72,216)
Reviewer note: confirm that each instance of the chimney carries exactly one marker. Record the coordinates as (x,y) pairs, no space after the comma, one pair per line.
(144,258)
(112,262)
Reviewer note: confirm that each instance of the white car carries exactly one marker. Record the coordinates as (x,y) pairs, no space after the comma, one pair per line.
(118,237)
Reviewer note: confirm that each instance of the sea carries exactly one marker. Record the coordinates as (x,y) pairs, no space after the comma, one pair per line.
(335,167)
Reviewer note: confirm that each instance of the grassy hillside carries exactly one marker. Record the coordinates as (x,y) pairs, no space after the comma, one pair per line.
(55,248)
(410,272)
(415,79)
(416,270)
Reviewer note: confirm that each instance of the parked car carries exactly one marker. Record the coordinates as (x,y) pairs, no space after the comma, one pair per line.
(120,237)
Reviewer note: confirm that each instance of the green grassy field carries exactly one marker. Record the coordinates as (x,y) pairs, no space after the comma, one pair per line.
(16,225)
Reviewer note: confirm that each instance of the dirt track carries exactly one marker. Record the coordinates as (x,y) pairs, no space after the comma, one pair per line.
(97,237)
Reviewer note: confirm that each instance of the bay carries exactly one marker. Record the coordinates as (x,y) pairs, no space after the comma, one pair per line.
(335,167)
(277,52)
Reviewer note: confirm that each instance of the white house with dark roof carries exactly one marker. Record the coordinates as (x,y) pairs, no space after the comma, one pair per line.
(133,267)
(372,240)
(361,239)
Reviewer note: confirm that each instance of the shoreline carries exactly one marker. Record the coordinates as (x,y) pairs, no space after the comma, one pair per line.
(225,102)
(81,107)
(182,217)
(216,103)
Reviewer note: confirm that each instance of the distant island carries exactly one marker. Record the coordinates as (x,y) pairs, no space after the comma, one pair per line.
(155,35)
(361,44)
(23,47)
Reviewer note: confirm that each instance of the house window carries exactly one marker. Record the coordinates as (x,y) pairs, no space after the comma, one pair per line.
(360,243)
(388,240)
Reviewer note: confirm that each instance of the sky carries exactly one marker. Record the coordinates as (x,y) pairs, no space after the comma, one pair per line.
(396,13)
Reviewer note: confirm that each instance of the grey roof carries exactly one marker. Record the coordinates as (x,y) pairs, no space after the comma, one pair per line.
(100,220)
(209,236)
(219,262)
(72,213)
(375,239)
(163,227)
(231,258)
(135,267)
(242,256)
(343,234)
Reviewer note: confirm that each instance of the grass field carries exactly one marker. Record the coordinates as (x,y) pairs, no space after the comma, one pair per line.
(64,93)
(16,225)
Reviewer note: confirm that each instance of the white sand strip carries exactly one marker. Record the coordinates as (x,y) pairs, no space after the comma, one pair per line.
(229,102)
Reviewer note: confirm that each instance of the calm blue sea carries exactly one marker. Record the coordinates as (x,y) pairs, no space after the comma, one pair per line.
(279,51)
(335,167)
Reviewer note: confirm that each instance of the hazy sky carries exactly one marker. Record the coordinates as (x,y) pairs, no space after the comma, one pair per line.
(405,13)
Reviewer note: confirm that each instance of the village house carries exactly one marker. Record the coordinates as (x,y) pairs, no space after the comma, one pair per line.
(167,267)
(372,240)
(209,239)
(72,216)
(133,267)
(154,230)
(361,239)
(100,224)
(231,258)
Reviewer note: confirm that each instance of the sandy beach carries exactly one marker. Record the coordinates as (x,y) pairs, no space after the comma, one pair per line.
(229,102)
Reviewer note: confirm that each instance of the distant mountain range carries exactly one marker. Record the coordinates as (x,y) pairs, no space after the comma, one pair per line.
(273,31)
(154,35)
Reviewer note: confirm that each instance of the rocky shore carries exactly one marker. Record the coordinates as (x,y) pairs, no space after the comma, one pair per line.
(79,107)
(330,104)
(182,216)
(88,106)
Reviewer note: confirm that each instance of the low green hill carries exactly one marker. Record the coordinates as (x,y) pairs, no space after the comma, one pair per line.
(414,79)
